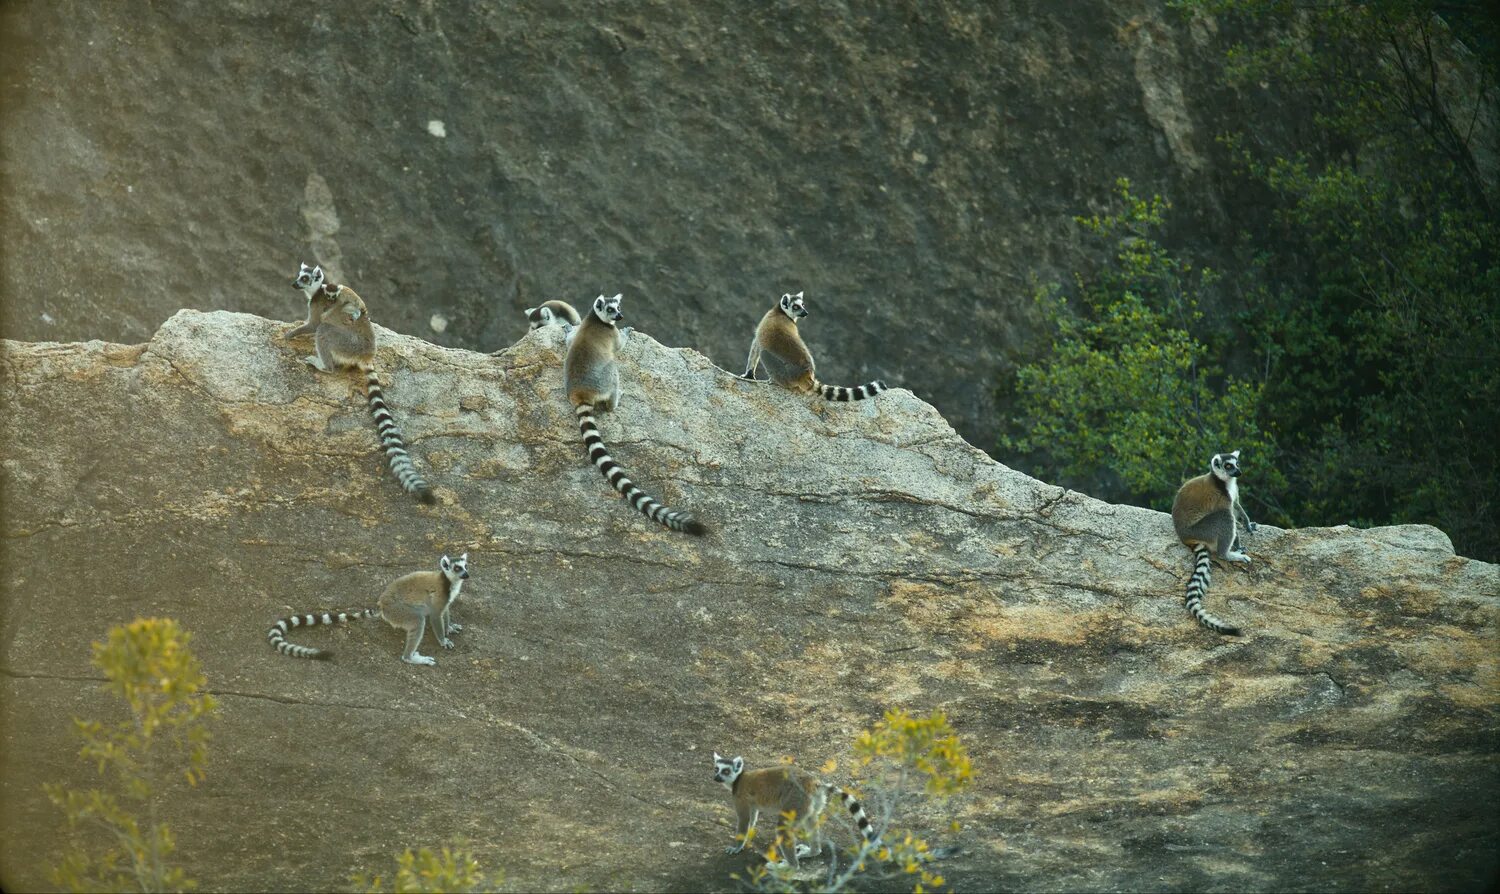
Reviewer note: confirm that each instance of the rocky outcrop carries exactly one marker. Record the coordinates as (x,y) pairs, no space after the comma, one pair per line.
(863,557)
(914,167)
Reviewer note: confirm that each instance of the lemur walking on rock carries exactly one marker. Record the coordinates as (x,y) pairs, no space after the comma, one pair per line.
(411,603)
(783,790)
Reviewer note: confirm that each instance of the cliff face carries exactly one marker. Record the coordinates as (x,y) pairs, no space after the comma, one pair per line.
(863,557)
(912,166)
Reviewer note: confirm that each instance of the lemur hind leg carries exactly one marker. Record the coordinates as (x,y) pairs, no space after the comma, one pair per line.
(752,361)
(413,639)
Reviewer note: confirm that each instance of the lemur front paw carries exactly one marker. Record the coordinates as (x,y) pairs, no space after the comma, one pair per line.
(734,849)
(315,363)
(447,643)
(454,627)
(803,850)
(1238,557)
(1251,527)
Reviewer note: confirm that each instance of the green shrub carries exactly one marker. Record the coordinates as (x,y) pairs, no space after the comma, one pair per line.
(1360,369)
(449,871)
(899,762)
(1129,400)
(149,665)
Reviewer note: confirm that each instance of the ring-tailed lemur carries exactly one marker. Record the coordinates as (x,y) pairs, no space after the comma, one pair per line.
(411,603)
(781,790)
(1205,515)
(319,299)
(591,376)
(346,340)
(554,311)
(779,346)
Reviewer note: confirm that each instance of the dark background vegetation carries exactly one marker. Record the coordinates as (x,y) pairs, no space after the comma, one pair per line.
(1325,243)
(1357,336)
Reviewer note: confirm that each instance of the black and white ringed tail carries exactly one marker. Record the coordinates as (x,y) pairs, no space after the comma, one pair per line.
(391,442)
(278,631)
(615,475)
(1197,588)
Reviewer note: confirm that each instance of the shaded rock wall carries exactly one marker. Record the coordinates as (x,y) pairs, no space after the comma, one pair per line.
(913,166)
(864,557)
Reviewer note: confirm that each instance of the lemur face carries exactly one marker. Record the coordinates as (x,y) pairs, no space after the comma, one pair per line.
(1225,465)
(792,306)
(539,316)
(456,568)
(726,772)
(308,278)
(608,309)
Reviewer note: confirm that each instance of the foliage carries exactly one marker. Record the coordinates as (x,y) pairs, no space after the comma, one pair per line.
(148,664)
(1378,301)
(1360,373)
(901,761)
(452,870)
(1129,400)
(925,746)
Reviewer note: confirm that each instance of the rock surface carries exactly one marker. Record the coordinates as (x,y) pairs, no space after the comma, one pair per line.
(863,557)
(912,166)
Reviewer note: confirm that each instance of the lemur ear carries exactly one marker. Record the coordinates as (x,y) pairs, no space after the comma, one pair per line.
(317,271)
(717,757)
(464,557)
(445,563)
(739,764)
(1235,454)
(798,295)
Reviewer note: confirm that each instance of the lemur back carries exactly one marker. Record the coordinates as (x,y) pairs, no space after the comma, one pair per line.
(411,603)
(781,790)
(778,345)
(550,312)
(1205,516)
(345,339)
(591,378)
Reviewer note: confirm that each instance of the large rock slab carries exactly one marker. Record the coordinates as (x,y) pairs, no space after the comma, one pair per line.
(863,557)
(915,168)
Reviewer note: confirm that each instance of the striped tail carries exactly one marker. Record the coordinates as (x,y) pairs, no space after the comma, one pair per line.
(599,455)
(1197,588)
(277,633)
(856,813)
(390,439)
(858,392)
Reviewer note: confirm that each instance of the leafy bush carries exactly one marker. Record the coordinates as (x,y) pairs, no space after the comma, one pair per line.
(1360,373)
(453,871)
(149,665)
(901,761)
(1129,401)
(1379,297)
